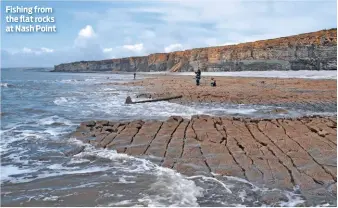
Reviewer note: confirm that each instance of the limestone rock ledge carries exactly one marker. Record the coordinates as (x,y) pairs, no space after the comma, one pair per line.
(282,153)
(309,51)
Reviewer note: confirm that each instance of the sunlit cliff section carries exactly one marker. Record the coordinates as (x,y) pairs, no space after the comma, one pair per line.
(308,51)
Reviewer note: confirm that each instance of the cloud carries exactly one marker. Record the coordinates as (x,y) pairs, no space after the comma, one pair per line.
(134,48)
(107,50)
(87,32)
(47,50)
(36,51)
(109,53)
(209,23)
(230,43)
(27,50)
(173,47)
(85,37)
(86,47)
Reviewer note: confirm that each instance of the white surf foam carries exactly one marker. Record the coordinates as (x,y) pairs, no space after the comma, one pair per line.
(293,197)
(71,80)
(65,101)
(174,188)
(178,190)
(242,195)
(51,198)
(14,136)
(293,200)
(123,180)
(239,111)
(123,202)
(39,174)
(54,120)
(212,179)
(9,171)
(3,84)
(170,187)
(76,161)
(60,100)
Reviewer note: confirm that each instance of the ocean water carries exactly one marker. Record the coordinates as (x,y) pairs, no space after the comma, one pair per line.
(38,111)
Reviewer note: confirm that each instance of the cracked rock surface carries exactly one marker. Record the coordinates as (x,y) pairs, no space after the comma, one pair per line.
(317,95)
(275,153)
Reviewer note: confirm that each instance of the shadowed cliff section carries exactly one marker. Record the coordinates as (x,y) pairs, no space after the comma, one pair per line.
(308,51)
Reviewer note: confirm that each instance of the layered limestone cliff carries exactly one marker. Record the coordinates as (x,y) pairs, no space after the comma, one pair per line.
(309,51)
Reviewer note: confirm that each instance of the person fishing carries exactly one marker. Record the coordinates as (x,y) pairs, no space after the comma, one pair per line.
(134,75)
(213,82)
(198,77)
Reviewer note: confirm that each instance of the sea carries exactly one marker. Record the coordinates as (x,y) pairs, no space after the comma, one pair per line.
(39,110)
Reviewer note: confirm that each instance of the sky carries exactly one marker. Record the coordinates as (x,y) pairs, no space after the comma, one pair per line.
(88,30)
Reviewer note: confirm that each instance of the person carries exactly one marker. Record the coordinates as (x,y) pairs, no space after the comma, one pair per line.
(213,82)
(198,77)
(134,75)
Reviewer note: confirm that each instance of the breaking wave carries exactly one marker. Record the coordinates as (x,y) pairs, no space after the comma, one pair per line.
(171,188)
(6,85)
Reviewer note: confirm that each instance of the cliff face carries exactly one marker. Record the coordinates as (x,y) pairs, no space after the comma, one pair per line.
(310,51)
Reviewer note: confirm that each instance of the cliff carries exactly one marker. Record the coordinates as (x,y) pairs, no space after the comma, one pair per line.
(309,51)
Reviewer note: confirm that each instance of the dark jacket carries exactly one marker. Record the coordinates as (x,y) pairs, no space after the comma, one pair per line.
(198,74)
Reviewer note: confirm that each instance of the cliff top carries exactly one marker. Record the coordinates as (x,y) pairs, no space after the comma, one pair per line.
(322,37)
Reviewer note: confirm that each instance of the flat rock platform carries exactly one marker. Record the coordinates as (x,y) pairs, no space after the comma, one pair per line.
(275,153)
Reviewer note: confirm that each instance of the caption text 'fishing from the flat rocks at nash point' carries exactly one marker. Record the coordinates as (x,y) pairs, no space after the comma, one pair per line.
(20,19)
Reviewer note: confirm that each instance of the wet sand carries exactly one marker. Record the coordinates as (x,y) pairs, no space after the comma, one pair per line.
(274,153)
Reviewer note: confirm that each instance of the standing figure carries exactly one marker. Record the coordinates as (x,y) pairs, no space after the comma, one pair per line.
(213,82)
(134,75)
(198,77)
